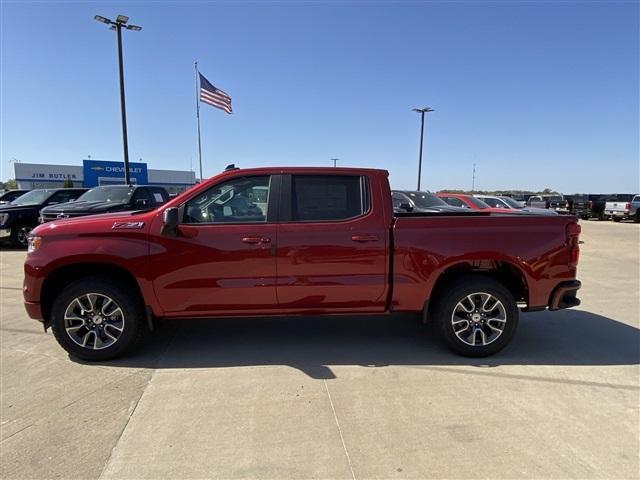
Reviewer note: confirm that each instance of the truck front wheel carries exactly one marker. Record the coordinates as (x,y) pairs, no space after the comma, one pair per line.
(94,319)
(476,317)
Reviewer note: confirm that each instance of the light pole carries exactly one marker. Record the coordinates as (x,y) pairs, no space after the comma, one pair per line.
(335,162)
(422,111)
(473,181)
(120,22)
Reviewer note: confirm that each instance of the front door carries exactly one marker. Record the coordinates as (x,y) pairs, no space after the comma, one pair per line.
(223,259)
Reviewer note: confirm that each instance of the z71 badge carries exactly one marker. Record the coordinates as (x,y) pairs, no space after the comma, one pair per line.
(127,225)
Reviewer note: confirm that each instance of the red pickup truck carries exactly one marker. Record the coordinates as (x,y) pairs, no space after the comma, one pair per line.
(295,241)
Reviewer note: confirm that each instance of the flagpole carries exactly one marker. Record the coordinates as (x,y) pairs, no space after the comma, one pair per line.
(198,119)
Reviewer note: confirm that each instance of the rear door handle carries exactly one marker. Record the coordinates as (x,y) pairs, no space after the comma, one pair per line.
(256,240)
(364,238)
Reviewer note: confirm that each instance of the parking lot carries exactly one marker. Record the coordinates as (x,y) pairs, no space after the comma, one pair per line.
(337,397)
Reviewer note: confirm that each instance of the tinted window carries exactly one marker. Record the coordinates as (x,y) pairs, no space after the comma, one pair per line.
(330,197)
(142,194)
(241,200)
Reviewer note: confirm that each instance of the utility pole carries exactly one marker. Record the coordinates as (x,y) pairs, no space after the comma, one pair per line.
(421,111)
(117,25)
(335,162)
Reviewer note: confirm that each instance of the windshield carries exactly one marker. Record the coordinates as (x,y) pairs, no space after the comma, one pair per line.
(477,202)
(511,202)
(34,197)
(107,194)
(425,199)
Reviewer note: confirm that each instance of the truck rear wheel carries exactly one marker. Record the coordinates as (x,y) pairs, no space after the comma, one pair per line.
(476,317)
(94,319)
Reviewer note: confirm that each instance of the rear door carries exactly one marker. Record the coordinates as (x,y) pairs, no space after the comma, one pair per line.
(332,245)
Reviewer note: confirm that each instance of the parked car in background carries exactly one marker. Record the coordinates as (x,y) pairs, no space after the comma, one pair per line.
(105,199)
(11,195)
(556,203)
(325,242)
(19,217)
(416,201)
(618,207)
(469,201)
(508,202)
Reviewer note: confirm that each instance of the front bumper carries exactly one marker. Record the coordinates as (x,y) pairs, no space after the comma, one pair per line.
(34,310)
(564,295)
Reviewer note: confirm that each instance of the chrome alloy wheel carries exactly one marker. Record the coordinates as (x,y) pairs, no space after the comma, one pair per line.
(94,321)
(479,319)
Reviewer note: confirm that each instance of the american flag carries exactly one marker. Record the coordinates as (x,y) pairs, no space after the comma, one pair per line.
(214,96)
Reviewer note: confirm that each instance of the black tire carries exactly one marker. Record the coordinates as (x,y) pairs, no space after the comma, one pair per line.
(616,219)
(636,219)
(456,292)
(19,235)
(132,314)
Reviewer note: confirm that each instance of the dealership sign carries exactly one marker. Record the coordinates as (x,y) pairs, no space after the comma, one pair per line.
(100,172)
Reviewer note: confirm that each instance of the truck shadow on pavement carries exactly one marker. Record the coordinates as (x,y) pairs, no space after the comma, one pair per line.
(314,344)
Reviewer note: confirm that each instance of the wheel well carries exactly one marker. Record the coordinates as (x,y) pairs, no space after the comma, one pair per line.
(506,273)
(57,280)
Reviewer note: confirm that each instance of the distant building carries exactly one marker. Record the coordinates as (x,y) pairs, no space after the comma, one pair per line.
(100,172)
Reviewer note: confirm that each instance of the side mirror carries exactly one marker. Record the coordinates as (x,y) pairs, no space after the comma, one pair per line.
(170,222)
(406,206)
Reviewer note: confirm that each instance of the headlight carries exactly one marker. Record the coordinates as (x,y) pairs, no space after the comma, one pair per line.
(34,244)
(3,218)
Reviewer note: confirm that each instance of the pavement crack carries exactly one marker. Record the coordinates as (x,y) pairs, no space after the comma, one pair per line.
(335,417)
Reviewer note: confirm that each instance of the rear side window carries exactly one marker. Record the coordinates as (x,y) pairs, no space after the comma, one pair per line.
(328,197)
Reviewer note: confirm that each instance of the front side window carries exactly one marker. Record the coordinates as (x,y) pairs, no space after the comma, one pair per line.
(327,197)
(241,200)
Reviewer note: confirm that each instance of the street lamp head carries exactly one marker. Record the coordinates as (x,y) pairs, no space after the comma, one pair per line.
(122,19)
(135,28)
(102,19)
(423,110)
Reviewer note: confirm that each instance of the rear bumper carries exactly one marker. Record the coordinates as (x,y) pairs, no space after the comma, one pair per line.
(5,232)
(564,295)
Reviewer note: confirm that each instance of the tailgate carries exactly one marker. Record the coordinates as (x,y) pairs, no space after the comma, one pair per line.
(616,207)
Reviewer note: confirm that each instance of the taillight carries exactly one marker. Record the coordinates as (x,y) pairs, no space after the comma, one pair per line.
(590,203)
(573,234)
(566,204)
(627,206)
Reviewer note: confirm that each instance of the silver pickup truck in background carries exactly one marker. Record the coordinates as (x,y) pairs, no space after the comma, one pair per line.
(618,207)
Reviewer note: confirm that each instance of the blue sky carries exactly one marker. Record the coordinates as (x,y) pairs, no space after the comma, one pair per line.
(537,94)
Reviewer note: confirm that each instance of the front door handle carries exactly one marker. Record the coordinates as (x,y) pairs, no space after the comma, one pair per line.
(256,240)
(364,238)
